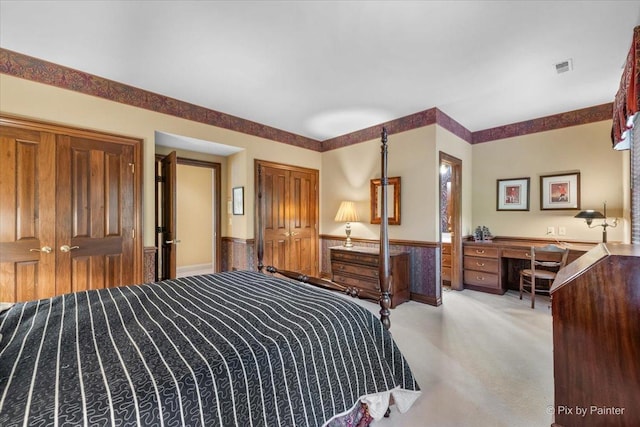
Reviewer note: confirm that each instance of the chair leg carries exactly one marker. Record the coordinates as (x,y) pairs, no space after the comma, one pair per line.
(521,284)
(533,292)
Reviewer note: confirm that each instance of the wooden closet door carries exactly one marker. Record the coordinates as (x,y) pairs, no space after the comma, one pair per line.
(95,214)
(302,223)
(275,183)
(27,214)
(289,216)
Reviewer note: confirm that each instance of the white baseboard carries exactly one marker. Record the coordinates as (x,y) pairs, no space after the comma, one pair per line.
(193,270)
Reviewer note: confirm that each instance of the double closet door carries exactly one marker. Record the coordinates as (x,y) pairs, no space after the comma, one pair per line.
(289,216)
(68,210)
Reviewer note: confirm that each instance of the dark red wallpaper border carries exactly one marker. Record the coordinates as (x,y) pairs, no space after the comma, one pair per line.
(37,70)
(556,121)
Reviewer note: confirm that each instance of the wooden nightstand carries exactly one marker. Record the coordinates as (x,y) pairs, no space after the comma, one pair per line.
(358,268)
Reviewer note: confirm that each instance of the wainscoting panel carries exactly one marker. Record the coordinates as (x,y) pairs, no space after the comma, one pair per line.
(238,254)
(149,272)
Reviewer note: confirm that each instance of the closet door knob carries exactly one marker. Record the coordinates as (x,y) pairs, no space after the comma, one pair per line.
(172,242)
(67,248)
(45,249)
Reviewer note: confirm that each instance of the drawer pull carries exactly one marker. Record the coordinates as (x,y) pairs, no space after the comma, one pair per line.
(480,264)
(527,254)
(479,251)
(481,278)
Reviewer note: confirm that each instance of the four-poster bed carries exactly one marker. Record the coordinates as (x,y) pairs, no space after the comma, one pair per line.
(384,273)
(233,348)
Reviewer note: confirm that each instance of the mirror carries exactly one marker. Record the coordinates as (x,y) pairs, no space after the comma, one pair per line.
(393,200)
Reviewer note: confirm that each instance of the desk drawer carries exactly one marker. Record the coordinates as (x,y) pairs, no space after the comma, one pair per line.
(479,251)
(480,278)
(526,254)
(490,265)
(516,253)
(446,274)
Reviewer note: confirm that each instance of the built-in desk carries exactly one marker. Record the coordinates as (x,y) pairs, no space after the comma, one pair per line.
(495,266)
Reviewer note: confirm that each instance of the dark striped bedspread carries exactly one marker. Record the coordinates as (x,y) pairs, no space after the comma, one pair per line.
(230,349)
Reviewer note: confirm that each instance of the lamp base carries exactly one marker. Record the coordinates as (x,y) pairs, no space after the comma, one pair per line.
(347,243)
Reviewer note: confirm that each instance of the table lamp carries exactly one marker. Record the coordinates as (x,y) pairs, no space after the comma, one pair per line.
(347,213)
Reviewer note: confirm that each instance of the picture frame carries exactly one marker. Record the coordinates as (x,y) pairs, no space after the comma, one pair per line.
(560,191)
(513,194)
(393,200)
(238,200)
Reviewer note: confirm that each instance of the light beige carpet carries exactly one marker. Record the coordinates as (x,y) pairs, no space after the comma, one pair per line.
(480,360)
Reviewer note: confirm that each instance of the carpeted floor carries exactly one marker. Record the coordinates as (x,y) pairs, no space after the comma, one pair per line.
(480,359)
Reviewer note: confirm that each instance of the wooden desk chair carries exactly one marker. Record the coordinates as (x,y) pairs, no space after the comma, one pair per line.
(545,262)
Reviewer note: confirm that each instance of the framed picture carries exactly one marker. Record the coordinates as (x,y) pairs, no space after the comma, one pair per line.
(238,200)
(560,191)
(513,194)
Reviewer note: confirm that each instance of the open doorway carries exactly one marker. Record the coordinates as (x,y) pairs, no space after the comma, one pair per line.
(187,217)
(450,221)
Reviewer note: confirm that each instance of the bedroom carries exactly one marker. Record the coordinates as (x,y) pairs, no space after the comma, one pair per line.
(414,153)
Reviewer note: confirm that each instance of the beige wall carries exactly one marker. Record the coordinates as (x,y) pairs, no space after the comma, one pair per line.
(47,103)
(194,222)
(584,148)
(345,173)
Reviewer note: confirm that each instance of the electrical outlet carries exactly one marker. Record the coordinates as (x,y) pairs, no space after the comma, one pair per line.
(562,231)
(551,231)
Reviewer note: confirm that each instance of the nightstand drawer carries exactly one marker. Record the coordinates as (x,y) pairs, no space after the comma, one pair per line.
(357,282)
(355,258)
(489,265)
(480,278)
(360,270)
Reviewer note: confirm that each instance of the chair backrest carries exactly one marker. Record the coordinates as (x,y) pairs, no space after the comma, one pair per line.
(550,256)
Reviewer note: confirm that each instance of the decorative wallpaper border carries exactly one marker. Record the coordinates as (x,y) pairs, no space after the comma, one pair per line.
(37,70)
(556,121)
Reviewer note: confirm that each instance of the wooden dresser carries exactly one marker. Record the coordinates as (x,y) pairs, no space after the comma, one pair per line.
(358,268)
(595,303)
(445,272)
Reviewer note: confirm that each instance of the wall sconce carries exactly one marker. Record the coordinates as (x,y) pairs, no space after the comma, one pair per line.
(589,215)
(347,213)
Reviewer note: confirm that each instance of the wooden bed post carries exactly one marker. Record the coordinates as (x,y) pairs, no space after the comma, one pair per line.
(383,271)
(385,280)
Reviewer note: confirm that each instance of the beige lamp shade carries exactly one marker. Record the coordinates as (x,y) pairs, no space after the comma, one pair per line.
(347,212)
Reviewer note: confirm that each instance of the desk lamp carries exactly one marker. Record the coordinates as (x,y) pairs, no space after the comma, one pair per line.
(590,214)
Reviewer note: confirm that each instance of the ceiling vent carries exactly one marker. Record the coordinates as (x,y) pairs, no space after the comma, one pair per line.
(564,66)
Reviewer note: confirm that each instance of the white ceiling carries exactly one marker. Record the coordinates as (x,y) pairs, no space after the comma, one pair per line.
(326,68)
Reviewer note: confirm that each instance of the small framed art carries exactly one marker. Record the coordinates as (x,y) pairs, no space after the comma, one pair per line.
(238,200)
(513,194)
(560,191)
